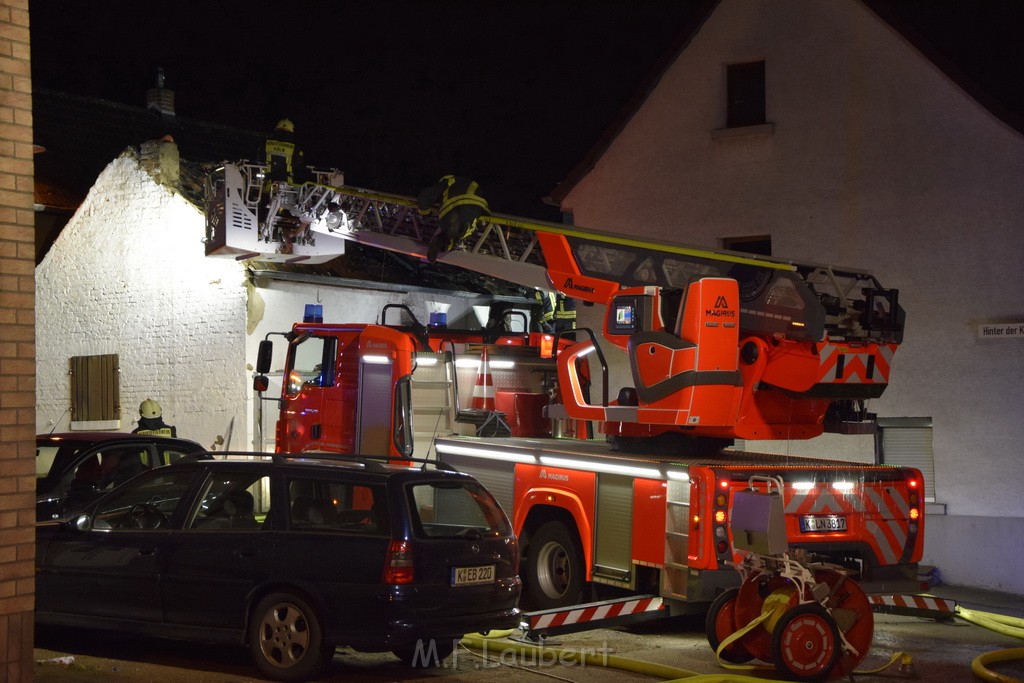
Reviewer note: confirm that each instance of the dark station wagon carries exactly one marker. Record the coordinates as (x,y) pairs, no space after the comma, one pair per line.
(290,555)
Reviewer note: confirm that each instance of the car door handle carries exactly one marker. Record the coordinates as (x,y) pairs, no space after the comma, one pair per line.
(147,552)
(246,553)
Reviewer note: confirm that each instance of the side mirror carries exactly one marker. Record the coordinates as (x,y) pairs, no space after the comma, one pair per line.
(81,523)
(260,383)
(264,357)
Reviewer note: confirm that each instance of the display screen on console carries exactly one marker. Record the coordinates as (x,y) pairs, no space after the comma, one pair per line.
(625,318)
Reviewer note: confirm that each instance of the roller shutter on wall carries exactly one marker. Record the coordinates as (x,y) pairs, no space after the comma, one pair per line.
(95,388)
(907,441)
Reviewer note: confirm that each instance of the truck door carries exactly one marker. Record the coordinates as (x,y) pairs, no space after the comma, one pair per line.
(308,390)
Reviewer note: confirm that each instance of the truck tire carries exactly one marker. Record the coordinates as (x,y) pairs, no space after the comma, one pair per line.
(554,567)
(285,638)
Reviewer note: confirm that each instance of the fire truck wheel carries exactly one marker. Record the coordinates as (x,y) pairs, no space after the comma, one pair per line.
(554,567)
(805,643)
(721,623)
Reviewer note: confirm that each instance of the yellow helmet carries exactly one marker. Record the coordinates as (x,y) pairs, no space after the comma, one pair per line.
(286,125)
(150,408)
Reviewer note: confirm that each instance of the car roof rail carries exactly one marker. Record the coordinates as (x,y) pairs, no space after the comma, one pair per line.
(371,462)
(236,456)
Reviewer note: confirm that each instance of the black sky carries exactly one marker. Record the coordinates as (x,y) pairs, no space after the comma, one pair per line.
(398,92)
(393,92)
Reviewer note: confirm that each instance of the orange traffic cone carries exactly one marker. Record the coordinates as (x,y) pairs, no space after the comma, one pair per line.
(483,391)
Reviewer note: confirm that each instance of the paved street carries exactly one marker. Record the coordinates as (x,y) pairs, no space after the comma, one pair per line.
(942,651)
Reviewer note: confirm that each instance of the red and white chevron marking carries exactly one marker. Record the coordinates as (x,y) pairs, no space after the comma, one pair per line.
(593,613)
(914,602)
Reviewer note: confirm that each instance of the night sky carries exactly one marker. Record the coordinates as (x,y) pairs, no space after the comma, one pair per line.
(399,92)
(395,93)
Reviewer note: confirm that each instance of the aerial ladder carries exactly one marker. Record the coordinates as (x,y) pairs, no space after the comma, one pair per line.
(720,344)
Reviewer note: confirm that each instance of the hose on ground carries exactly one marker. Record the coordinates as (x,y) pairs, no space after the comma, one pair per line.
(980,664)
(1000,623)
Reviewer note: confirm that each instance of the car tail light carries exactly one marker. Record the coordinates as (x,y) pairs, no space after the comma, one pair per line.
(398,568)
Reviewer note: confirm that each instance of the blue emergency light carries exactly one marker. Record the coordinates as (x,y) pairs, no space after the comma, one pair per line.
(314,313)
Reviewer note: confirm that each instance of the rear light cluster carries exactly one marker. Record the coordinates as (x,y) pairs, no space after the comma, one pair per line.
(721,518)
(914,498)
(398,567)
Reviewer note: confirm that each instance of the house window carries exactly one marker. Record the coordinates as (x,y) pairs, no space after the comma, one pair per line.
(745,95)
(95,388)
(907,441)
(755,244)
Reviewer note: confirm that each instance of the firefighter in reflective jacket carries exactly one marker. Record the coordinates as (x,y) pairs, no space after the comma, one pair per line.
(151,420)
(461,204)
(558,312)
(284,158)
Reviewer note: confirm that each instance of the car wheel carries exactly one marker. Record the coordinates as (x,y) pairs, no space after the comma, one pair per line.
(554,567)
(285,638)
(427,652)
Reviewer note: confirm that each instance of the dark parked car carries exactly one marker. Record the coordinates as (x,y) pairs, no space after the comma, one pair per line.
(291,555)
(74,469)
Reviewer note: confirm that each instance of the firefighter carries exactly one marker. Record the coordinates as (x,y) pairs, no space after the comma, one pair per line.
(151,420)
(564,314)
(558,312)
(284,159)
(546,319)
(461,205)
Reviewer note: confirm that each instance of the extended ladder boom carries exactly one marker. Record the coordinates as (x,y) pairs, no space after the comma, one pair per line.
(797,299)
(720,344)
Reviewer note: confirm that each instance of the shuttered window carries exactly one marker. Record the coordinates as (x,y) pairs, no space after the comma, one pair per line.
(95,388)
(907,441)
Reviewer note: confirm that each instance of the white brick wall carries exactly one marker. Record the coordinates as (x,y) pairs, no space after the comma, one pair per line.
(128,276)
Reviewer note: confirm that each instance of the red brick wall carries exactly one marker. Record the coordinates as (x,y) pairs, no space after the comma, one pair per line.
(17,347)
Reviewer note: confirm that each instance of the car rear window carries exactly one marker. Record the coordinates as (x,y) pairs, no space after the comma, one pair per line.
(456,508)
(337,505)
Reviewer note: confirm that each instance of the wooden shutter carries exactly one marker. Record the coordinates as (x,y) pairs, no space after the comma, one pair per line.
(95,388)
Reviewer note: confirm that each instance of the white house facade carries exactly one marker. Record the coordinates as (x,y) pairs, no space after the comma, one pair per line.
(868,156)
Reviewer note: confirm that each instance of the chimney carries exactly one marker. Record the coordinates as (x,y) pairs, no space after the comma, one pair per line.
(159,156)
(160,100)
(160,159)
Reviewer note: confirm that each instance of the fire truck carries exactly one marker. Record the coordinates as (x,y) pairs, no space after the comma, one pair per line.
(720,346)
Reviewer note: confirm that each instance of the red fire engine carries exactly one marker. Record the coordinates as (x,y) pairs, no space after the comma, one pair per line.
(720,346)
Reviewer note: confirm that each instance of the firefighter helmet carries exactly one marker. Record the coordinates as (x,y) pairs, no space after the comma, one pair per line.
(286,125)
(150,408)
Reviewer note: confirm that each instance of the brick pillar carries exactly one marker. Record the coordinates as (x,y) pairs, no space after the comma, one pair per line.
(17,348)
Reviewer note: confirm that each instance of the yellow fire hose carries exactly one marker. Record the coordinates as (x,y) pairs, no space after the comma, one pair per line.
(1000,623)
